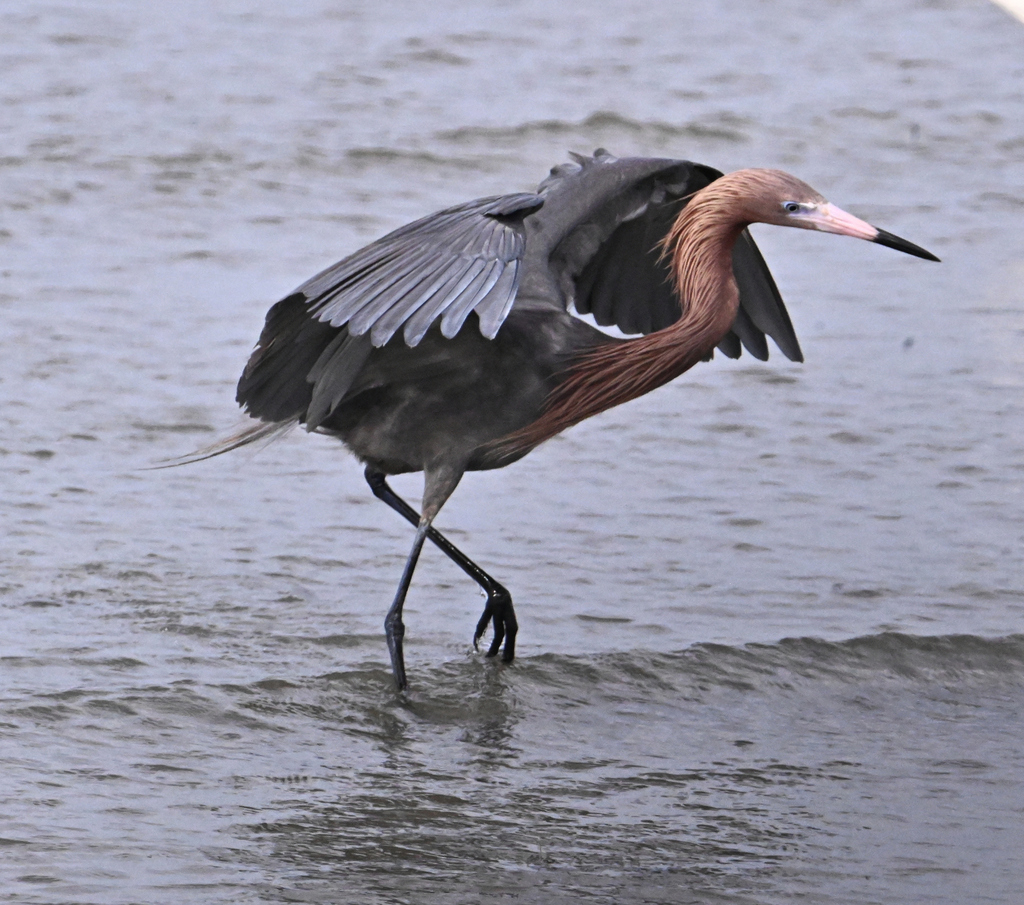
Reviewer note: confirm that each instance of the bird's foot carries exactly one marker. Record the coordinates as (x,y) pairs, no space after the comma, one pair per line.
(499,611)
(394,631)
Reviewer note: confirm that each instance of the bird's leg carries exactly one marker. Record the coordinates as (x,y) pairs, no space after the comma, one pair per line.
(394,628)
(498,608)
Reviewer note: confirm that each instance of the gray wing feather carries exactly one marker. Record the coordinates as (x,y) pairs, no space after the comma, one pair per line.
(443,266)
(761,301)
(370,304)
(388,310)
(333,374)
(753,339)
(498,302)
(468,295)
(424,308)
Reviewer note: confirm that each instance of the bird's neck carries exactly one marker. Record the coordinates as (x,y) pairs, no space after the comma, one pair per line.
(699,249)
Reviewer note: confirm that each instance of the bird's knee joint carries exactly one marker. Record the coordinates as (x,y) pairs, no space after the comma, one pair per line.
(498,595)
(394,627)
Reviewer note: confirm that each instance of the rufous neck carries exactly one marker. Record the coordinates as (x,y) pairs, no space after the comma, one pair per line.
(700,254)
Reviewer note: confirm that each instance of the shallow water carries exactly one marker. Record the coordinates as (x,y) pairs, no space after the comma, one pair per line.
(770,614)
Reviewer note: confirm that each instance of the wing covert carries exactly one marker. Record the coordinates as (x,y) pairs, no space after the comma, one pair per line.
(463,259)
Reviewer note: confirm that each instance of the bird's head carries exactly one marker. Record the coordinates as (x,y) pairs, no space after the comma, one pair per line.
(772,196)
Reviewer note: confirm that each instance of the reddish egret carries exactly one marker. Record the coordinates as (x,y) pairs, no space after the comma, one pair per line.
(454,343)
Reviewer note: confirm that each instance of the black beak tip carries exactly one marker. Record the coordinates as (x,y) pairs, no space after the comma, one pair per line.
(891,241)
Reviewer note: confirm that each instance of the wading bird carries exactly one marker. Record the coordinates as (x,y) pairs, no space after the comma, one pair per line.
(455,343)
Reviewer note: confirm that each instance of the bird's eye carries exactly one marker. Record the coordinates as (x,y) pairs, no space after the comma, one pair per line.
(791,207)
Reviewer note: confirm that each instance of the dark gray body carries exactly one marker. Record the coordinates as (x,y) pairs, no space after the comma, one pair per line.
(448,398)
(420,349)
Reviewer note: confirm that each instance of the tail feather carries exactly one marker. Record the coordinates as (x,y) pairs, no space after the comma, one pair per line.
(268,431)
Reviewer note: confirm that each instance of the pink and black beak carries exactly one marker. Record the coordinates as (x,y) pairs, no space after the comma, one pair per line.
(828,218)
(891,241)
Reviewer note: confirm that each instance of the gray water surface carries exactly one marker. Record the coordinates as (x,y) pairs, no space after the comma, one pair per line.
(770,647)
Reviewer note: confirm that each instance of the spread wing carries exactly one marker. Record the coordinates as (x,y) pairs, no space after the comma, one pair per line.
(316,340)
(607,262)
(588,238)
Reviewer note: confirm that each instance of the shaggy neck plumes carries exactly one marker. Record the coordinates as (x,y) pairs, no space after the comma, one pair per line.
(699,249)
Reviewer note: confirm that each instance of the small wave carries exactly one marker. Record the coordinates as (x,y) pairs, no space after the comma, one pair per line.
(405,156)
(185,427)
(428,55)
(600,123)
(787,664)
(890,655)
(453,690)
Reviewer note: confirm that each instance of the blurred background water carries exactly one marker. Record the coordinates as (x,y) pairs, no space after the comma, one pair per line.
(771,613)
